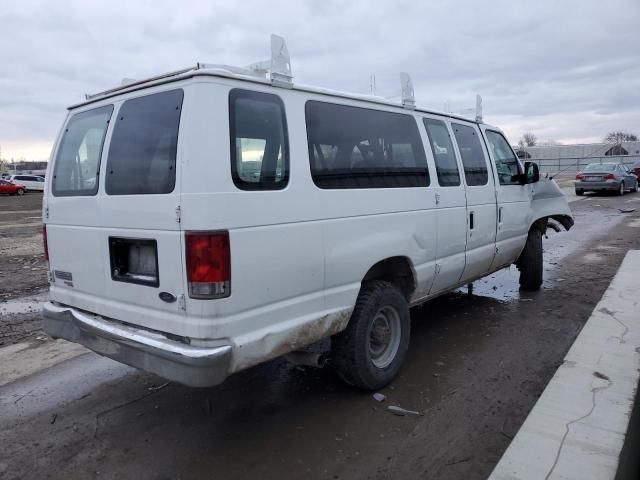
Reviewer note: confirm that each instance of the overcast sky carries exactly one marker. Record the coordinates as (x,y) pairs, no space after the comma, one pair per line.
(565,70)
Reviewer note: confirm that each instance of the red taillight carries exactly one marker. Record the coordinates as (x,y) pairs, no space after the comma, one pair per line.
(611,176)
(44,241)
(208,264)
(579,176)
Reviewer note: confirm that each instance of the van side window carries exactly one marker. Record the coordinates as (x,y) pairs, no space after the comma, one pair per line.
(475,166)
(77,163)
(259,142)
(353,147)
(144,145)
(507,165)
(442,148)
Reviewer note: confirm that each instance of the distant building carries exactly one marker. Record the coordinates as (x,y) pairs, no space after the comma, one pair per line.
(31,168)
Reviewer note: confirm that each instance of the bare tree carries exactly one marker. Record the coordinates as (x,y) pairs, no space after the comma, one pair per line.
(528,140)
(619,137)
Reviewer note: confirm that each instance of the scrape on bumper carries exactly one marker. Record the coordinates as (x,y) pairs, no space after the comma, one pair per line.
(149,351)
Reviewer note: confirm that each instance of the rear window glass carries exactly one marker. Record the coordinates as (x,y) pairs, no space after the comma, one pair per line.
(600,167)
(353,147)
(142,153)
(475,166)
(259,148)
(77,163)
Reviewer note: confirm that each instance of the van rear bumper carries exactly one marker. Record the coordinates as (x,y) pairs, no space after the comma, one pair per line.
(149,351)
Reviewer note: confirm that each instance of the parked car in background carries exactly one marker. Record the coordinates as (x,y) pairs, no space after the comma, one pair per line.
(600,177)
(635,168)
(31,182)
(10,188)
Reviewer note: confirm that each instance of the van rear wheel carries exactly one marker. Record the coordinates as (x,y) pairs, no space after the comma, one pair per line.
(369,353)
(530,261)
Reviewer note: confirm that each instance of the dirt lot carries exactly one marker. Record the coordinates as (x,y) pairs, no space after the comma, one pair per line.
(23,272)
(477,363)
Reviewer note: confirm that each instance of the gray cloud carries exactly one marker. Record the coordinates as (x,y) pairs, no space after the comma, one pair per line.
(565,70)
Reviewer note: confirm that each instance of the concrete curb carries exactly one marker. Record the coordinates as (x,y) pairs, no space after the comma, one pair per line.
(577,428)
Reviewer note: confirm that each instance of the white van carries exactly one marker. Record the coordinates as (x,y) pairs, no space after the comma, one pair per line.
(207,220)
(31,182)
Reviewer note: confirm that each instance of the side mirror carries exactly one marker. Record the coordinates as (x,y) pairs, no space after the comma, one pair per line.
(531,173)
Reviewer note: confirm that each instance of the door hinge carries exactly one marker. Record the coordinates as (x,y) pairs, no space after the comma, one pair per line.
(437,198)
(46,212)
(497,250)
(182,304)
(437,268)
(178,214)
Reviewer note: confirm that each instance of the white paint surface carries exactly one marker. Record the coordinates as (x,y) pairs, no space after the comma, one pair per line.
(577,428)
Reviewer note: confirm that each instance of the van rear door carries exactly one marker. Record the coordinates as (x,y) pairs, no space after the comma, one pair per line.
(113,230)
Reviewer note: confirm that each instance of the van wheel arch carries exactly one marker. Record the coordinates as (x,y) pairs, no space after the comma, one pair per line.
(398,271)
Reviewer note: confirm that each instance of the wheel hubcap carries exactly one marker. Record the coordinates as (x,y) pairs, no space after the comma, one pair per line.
(384,336)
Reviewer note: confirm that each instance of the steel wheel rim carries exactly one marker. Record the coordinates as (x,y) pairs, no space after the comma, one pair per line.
(384,336)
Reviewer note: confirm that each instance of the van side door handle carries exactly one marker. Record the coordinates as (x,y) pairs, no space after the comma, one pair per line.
(470,220)
(500,215)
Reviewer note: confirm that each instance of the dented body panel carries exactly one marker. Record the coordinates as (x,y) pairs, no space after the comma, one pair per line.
(548,201)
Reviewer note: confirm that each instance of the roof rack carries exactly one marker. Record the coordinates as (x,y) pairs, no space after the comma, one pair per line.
(276,70)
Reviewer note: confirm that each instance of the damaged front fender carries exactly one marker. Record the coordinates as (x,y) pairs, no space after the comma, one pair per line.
(548,201)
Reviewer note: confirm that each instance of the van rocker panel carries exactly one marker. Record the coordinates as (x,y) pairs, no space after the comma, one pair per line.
(149,351)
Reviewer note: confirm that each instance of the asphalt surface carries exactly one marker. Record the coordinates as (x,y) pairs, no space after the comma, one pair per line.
(476,365)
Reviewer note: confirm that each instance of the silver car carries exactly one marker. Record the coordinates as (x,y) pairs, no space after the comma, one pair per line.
(600,177)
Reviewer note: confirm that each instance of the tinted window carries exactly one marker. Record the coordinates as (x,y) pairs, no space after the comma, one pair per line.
(507,165)
(77,163)
(351,147)
(259,146)
(600,167)
(442,148)
(475,167)
(142,153)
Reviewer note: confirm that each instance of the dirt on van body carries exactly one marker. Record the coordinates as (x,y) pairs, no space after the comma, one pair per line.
(476,366)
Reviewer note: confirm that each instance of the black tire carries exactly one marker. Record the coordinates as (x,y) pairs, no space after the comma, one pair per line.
(20,192)
(352,354)
(579,191)
(530,262)
(621,189)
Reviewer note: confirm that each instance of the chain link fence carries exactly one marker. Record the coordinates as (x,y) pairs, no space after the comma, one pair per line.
(574,165)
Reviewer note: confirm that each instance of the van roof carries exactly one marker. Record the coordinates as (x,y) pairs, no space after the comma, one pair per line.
(236,73)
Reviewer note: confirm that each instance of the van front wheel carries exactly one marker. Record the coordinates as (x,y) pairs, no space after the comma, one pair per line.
(369,352)
(530,262)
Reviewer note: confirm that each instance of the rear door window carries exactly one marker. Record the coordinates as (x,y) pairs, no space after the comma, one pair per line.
(144,145)
(259,144)
(77,163)
(442,149)
(475,166)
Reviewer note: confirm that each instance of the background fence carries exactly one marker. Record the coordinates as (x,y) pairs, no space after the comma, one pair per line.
(573,165)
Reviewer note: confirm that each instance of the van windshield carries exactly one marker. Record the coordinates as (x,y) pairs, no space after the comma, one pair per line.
(77,163)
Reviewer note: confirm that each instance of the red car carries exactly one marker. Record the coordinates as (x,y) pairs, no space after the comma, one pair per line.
(11,188)
(635,168)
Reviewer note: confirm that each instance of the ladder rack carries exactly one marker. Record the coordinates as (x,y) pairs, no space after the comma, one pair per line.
(276,70)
